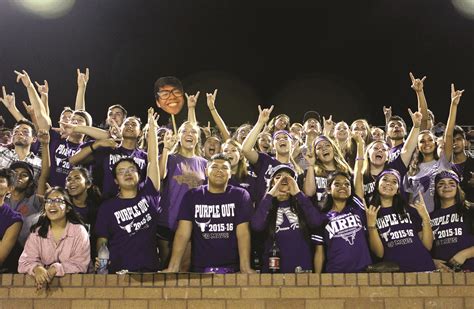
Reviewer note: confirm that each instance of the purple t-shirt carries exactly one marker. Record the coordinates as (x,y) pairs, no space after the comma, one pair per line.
(395,152)
(451,235)
(105,159)
(215,217)
(295,247)
(7,218)
(321,183)
(130,227)
(262,169)
(345,238)
(401,242)
(369,181)
(60,150)
(182,174)
(424,180)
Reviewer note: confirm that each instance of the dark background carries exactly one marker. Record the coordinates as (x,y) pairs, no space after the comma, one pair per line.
(348,58)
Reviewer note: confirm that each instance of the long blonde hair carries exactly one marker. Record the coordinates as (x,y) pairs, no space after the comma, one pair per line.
(340,162)
(241,172)
(197,147)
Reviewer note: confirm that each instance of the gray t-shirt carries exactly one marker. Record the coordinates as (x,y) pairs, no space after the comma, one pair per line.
(29,208)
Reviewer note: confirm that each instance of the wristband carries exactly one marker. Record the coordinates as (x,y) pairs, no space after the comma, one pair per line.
(372,227)
(360,159)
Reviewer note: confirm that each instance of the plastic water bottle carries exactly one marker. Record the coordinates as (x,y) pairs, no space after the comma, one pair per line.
(274,259)
(103,260)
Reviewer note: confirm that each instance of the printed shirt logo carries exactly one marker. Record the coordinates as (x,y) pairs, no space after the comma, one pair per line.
(61,156)
(344,226)
(113,158)
(138,216)
(189,177)
(292,219)
(224,215)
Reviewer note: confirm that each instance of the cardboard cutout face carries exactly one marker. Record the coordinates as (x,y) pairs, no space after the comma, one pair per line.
(170,99)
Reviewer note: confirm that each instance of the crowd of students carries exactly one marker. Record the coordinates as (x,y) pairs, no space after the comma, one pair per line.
(275,196)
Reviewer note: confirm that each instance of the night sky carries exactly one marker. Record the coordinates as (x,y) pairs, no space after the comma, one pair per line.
(347,59)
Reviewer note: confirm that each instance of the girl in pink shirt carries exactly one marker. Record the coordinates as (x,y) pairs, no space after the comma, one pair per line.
(58,243)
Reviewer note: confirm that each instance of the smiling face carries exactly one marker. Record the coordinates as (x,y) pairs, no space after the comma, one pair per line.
(76,183)
(281,123)
(264,143)
(188,136)
(170,99)
(446,188)
(127,175)
(218,172)
(296,130)
(242,133)
(377,134)
(378,153)
(341,130)
(55,207)
(426,143)
(282,143)
(324,152)
(233,153)
(388,185)
(340,188)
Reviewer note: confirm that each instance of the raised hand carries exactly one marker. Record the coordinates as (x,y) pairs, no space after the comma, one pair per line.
(310,157)
(29,108)
(415,118)
(169,140)
(207,130)
(455,95)
(43,136)
(387,111)
(43,89)
(192,99)
(107,143)
(328,124)
(65,129)
(114,129)
(358,137)
(264,114)
(152,118)
(420,206)
(371,213)
(8,99)
(416,83)
(211,100)
(82,78)
(24,78)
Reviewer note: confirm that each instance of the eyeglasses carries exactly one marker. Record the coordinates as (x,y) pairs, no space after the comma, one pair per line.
(56,201)
(130,170)
(165,94)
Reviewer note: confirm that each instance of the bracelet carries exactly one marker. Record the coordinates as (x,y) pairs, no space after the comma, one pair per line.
(92,148)
(416,127)
(212,109)
(372,227)
(359,159)
(167,148)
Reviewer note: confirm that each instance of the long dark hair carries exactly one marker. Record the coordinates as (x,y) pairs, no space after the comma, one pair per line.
(296,209)
(43,224)
(461,207)
(94,196)
(327,200)
(399,204)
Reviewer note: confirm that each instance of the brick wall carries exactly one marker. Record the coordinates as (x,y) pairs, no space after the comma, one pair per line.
(243,291)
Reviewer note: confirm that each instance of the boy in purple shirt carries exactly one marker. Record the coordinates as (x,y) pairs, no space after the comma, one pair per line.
(128,222)
(216,218)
